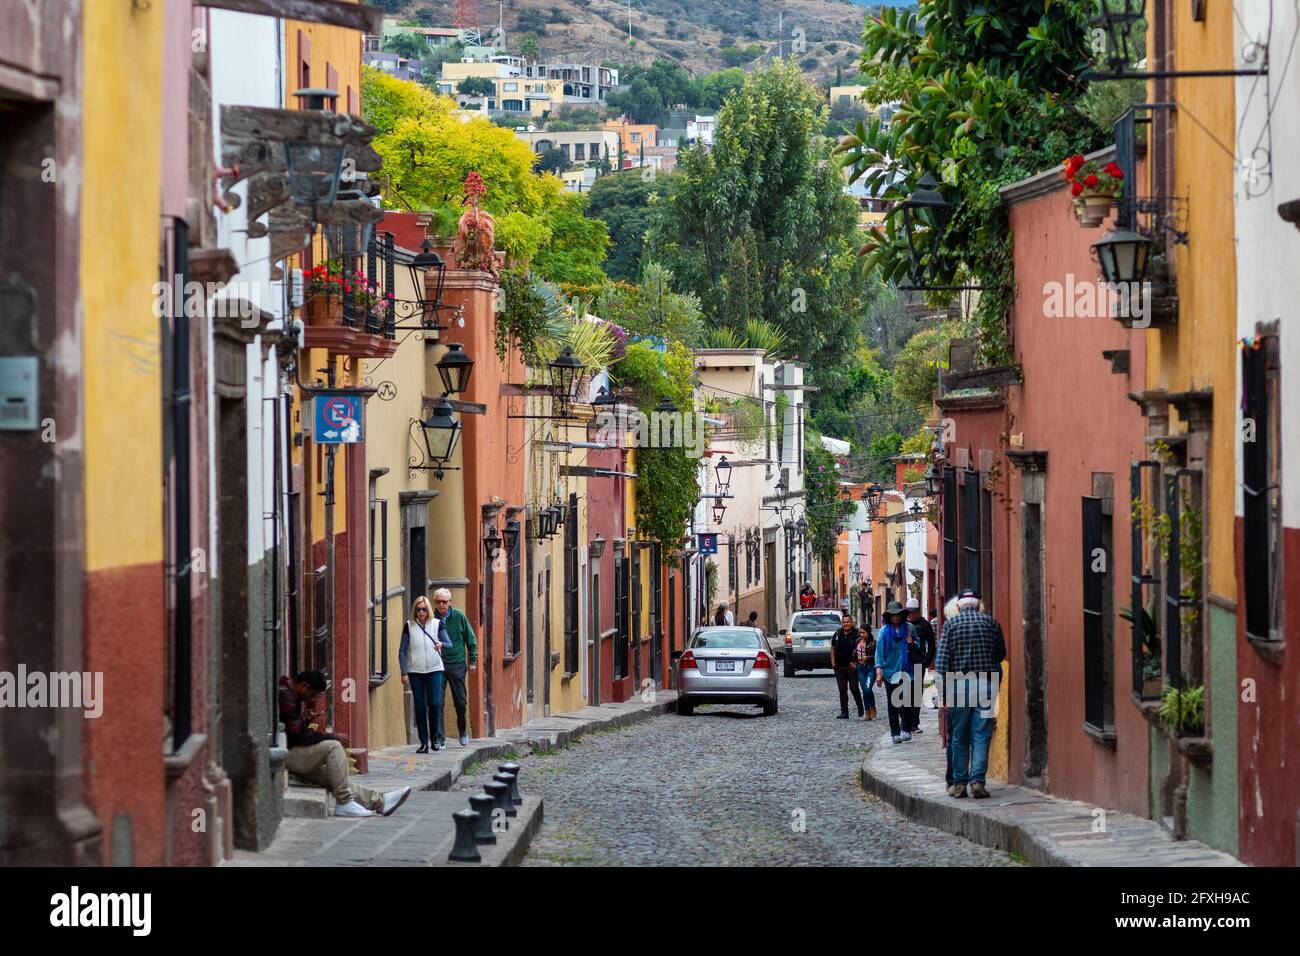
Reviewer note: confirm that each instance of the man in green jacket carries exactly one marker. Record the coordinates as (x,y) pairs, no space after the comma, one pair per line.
(454,656)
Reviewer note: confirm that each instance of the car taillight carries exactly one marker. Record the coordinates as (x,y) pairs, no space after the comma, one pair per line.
(789,639)
(688,660)
(763,660)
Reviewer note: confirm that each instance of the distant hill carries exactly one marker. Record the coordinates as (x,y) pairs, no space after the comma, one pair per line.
(821,34)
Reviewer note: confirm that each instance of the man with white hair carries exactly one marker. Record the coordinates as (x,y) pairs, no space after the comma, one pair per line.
(969,662)
(462,645)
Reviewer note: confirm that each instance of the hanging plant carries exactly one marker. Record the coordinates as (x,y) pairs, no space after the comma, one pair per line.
(1094,187)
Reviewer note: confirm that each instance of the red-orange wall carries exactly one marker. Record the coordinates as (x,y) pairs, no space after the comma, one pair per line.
(1074,407)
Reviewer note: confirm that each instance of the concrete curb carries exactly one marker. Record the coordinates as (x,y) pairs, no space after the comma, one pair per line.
(1045,830)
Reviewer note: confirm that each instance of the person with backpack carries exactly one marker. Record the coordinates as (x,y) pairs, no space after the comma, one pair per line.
(893,660)
(923,649)
(723,617)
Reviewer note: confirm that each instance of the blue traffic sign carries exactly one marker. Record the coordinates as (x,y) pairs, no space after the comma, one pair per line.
(708,543)
(338,419)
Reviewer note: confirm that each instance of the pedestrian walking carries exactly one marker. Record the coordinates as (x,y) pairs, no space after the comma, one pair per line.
(923,650)
(461,652)
(807,596)
(753,620)
(969,662)
(864,605)
(843,648)
(892,663)
(723,617)
(950,610)
(420,659)
(319,757)
(864,657)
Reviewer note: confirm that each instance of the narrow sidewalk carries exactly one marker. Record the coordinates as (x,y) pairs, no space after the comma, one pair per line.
(421,832)
(1045,830)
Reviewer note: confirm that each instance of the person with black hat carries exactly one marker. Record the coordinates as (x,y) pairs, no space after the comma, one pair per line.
(969,662)
(893,659)
(843,647)
(923,648)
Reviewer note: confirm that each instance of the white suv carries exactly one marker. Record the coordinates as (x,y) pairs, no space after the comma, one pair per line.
(807,641)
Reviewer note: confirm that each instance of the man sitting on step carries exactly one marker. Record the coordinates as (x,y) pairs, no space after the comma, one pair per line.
(320,758)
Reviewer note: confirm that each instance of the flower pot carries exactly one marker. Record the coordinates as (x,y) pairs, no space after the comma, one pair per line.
(1151,687)
(321,309)
(1092,209)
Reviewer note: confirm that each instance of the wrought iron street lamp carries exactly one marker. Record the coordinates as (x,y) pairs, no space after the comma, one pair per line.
(898,546)
(561,513)
(723,472)
(1123,255)
(933,482)
(314,168)
(719,509)
(454,369)
(597,547)
(440,432)
(565,372)
(418,266)
(492,543)
(874,495)
(511,536)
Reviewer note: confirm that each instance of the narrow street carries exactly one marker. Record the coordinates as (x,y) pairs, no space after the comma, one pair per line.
(725,787)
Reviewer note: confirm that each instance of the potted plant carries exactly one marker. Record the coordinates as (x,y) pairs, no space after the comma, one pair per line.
(329,283)
(1183,711)
(476,233)
(1094,187)
(1149,650)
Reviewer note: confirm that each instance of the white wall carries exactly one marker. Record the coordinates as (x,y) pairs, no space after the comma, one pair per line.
(1268,247)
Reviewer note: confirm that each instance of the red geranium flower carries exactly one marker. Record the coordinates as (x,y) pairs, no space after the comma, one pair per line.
(1076,188)
(1090,180)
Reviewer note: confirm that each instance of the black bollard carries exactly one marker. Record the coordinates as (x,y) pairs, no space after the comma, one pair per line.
(483,804)
(465,851)
(509,780)
(516,797)
(501,794)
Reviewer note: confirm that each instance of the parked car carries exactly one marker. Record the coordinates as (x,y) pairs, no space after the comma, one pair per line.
(726,665)
(807,641)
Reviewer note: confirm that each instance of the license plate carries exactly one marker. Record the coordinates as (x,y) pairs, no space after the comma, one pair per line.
(724,665)
(817,643)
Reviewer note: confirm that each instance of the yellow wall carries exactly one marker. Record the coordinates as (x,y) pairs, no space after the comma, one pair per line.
(121,240)
(1200,351)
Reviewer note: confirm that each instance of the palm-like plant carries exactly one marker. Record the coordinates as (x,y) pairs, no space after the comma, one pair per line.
(765,335)
(721,337)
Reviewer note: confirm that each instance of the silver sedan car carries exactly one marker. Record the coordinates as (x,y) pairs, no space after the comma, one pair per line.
(726,665)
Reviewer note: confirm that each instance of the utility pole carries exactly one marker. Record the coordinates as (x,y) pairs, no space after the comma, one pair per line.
(780,30)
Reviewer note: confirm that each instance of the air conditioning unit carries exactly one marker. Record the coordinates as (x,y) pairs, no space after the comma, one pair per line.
(296,292)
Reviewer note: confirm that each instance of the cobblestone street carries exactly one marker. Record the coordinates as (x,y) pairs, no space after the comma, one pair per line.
(728,786)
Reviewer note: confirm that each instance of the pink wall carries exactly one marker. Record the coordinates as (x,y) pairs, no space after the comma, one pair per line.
(1074,407)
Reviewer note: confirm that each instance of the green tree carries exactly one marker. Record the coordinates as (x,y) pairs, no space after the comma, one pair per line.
(989,95)
(759,225)
(530,47)
(715,87)
(553,161)
(476,86)
(622,202)
(577,244)
(409,45)
(916,369)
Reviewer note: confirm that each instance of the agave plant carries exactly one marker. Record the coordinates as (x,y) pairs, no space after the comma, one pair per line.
(721,337)
(765,335)
(593,343)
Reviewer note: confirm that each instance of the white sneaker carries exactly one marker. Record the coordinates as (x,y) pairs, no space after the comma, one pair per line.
(464,740)
(394,799)
(898,740)
(906,735)
(351,809)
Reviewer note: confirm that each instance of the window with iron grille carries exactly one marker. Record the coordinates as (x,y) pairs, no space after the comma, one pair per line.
(758,555)
(1143,612)
(1098,618)
(378,587)
(571,587)
(1261,490)
(970,508)
(621,621)
(950,584)
(749,560)
(514,589)
(986,549)
(733,565)
(1184,663)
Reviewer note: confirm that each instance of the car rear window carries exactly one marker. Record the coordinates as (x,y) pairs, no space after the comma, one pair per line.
(816,622)
(739,638)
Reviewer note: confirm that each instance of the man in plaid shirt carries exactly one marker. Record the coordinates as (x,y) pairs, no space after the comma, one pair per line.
(969,667)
